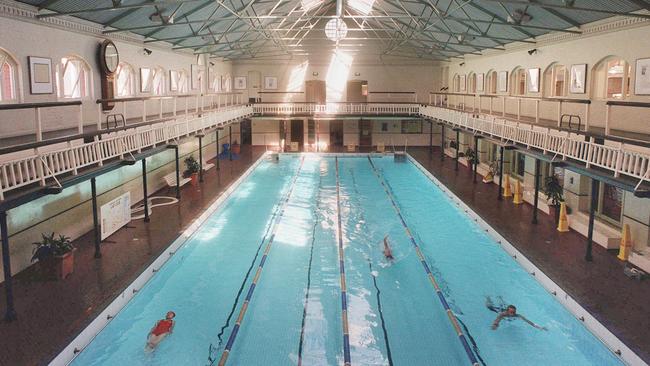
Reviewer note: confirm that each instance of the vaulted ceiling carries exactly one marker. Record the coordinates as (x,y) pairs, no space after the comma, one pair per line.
(427,29)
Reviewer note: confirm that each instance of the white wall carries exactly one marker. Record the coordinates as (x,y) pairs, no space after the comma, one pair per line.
(419,78)
(22,38)
(628,39)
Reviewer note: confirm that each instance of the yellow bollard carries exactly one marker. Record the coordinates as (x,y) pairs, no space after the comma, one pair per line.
(517,199)
(563,222)
(507,191)
(626,243)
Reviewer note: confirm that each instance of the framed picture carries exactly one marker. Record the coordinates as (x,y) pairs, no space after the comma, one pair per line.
(463,82)
(578,79)
(240,82)
(642,77)
(533,80)
(196,76)
(503,81)
(480,82)
(270,82)
(173,80)
(40,75)
(145,79)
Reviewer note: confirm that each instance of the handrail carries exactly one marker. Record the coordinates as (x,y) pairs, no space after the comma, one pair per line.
(38,167)
(139,99)
(391,92)
(5,107)
(565,144)
(628,103)
(280,92)
(549,99)
(341,103)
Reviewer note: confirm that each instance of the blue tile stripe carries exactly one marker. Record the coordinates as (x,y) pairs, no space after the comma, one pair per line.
(260,267)
(441,296)
(344,295)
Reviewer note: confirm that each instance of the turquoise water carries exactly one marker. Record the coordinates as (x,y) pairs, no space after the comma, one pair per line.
(294,315)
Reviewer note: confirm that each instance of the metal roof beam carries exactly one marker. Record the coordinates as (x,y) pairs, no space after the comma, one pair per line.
(575,8)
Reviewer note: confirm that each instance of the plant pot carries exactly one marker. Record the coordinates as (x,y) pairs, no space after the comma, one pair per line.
(195,179)
(236,149)
(48,268)
(65,264)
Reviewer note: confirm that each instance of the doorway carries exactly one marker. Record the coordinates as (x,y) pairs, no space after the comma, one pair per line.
(336,133)
(298,132)
(246,132)
(365,132)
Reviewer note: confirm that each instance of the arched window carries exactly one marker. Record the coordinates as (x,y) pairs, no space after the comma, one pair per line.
(518,81)
(124,80)
(456,83)
(611,78)
(491,79)
(158,81)
(214,80)
(8,78)
(556,78)
(227,87)
(471,83)
(183,82)
(74,78)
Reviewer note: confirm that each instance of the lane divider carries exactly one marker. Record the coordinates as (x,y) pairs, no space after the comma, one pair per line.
(423,261)
(344,295)
(258,273)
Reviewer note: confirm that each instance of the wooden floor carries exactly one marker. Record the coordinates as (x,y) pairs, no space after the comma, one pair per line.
(51,314)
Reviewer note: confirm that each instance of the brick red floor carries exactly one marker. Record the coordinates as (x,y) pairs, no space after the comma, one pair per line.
(621,304)
(52,313)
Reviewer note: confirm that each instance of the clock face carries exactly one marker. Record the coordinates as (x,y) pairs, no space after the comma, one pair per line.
(111,57)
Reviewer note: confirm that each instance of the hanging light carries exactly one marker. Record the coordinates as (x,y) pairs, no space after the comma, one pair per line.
(336,29)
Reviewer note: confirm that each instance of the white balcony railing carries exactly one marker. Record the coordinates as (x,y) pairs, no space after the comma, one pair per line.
(615,157)
(38,166)
(337,108)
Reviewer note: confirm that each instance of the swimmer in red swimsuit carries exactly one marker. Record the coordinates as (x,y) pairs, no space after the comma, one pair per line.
(162,328)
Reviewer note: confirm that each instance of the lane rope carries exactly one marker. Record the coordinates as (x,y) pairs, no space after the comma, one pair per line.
(258,273)
(344,296)
(441,296)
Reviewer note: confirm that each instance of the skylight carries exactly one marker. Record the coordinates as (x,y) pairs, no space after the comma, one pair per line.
(362,6)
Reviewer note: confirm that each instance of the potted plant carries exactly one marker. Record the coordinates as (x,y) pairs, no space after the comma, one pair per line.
(471,156)
(55,255)
(554,195)
(235,147)
(192,168)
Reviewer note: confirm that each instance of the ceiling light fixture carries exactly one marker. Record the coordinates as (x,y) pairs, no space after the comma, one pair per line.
(519,16)
(533,51)
(336,29)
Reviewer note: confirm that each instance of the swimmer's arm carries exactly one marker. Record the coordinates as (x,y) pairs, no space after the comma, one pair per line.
(531,323)
(171,329)
(496,322)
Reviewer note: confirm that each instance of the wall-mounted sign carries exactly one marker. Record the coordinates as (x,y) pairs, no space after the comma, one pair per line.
(115,214)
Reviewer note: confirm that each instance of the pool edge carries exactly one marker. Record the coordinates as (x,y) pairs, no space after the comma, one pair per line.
(601,332)
(86,336)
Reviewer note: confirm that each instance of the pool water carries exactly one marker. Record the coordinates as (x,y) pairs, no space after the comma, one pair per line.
(294,316)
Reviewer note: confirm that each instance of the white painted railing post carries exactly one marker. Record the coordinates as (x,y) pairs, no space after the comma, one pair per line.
(619,161)
(607,116)
(39,124)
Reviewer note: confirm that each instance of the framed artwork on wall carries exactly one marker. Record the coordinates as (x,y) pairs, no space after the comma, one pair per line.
(145,80)
(240,82)
(173,80)
(533,80)
(40,75)
(578,80)
(503,81)
(214,80)
(463,82)
(642,77)
(270,82)
(480,82)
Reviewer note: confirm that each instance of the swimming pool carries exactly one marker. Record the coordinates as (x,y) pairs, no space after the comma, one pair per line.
(273,248)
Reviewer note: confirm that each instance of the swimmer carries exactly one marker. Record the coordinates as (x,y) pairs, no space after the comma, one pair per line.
(162,328)
(509,312)
(388,253)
